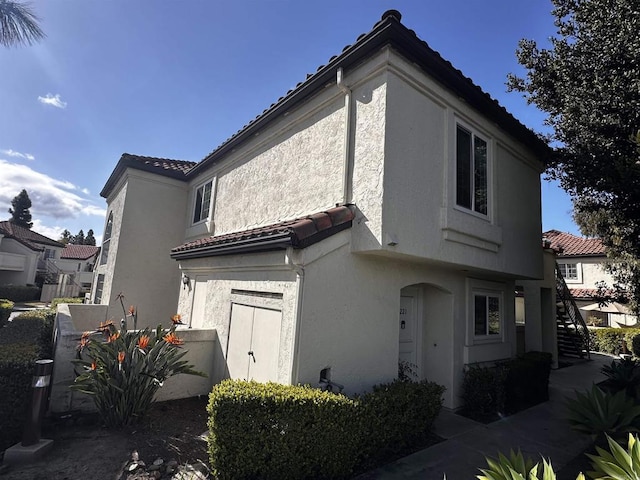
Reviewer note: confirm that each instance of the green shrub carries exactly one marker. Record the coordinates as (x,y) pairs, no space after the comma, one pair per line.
(623,375)
(631,336)
(34,327)
(6,306)
(594,345)
(20,293)
(124,372)
(273,431)
(609,340)
(17,362)
(483,393)
(400,415)
(56,301)
(527,381)
(598,413)
(517,467)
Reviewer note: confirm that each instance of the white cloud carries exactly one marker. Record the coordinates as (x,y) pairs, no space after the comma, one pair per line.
(53,100)
(54,233)
(13,153)
(49,196)
(85,191)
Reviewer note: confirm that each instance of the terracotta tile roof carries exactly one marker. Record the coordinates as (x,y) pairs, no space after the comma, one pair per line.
(568,245)
(584,293)
(162,166)
(79,252)
(298,233)
(388,31)
(28,238)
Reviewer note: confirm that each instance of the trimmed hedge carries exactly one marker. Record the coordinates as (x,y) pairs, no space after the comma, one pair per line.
(507,387)
(20,293)
(273,431)
(27,338)
(56,301)
(614,340)
(17,363)
(6,306)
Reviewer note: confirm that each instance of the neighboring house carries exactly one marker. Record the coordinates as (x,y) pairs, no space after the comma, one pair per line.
(581,262)
(78,261)
(25,254)
(383,210)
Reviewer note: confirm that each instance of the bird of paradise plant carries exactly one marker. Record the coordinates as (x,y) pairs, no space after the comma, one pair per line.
(122,370)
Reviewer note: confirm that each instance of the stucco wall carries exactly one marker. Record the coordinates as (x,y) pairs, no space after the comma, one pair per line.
(218,276)
(29,262)
(420,215)
(148,220)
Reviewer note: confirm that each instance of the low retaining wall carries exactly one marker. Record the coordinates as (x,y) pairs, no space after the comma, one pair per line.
(73,319)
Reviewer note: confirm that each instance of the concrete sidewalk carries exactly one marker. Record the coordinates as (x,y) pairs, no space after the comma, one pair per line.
(540,430)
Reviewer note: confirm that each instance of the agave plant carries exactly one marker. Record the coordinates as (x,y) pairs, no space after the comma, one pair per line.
(617,464)
(517,467)
(598,413)
(623,375)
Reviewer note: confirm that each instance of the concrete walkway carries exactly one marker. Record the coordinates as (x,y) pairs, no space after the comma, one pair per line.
(540,430)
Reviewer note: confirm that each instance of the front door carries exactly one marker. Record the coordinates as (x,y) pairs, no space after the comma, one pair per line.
(409,327)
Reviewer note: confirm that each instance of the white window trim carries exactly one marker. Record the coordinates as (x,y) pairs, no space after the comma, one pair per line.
(490,162)
(493,289)
(192,210)
(578,266)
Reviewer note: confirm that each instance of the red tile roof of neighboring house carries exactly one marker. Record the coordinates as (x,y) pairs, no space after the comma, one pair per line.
(79,252)
(298,233)
(28,238)
(568,245)
(162,166)
(583,293)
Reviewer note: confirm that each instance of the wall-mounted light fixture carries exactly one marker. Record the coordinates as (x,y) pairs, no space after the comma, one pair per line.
(185,280)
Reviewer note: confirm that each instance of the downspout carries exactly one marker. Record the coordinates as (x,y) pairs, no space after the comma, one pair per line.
(347,153)
(299,271)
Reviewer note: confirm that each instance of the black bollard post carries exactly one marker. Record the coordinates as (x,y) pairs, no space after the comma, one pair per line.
(40,392)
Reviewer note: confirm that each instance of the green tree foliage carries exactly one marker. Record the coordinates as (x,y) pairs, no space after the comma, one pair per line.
(20,214)
(588,83)
(90,239)
(18,24)
(78,239)
(65,237)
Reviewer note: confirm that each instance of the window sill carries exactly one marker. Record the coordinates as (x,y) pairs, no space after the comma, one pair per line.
(469,228)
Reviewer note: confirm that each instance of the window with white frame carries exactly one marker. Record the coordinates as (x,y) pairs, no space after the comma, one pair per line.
(202,202)
(569,270)
(487,314)
(472,171)
(106,241)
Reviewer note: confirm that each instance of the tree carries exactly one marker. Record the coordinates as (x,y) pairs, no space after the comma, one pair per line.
(65,237)
(90,239)
(18,24)
(588,83)
(78,239)
(20,214)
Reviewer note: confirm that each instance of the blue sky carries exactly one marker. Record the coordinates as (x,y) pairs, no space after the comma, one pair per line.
(175,79)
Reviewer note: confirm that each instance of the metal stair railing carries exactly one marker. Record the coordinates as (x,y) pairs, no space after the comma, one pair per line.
(53,269)
(571,310)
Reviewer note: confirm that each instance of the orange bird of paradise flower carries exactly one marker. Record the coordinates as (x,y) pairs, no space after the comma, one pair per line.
(114,337)
(173,339)
(132,310)
(143,342)
(177,319)
(120,357)
(104,327)
(94,366)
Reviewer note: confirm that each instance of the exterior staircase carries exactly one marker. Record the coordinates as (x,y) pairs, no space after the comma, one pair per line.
(573,334)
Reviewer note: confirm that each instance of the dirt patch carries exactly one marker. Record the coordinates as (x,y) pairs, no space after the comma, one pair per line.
(173,432)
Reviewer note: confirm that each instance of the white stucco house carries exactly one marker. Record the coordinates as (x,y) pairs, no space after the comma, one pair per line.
(582,262)
(24,254)
(381,211)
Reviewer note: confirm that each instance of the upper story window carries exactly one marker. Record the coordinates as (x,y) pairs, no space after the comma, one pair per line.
(104,255)
(471,171)
(49,253)
(487,316)
(203,202)
(569,271)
